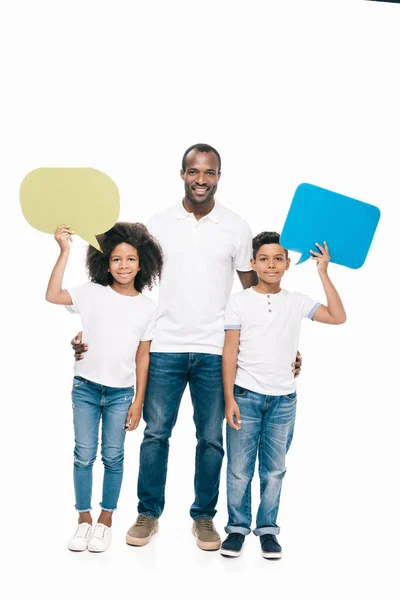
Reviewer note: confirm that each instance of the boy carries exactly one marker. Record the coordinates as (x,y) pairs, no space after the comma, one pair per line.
(259,386)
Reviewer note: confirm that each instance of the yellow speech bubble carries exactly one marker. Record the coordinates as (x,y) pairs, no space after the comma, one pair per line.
(85,199)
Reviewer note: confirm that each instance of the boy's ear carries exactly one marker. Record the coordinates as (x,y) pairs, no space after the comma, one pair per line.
(287,263)
(253,264)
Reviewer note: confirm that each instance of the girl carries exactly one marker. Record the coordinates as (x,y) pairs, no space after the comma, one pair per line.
(118,323)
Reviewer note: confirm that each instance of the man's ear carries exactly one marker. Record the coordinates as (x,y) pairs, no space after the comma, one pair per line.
(182,174)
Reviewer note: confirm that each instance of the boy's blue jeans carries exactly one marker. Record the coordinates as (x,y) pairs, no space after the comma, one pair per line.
(267,428)
(169,373)
(90,401)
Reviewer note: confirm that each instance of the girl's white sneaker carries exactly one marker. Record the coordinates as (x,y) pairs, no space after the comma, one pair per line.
(100,539)
(79,541)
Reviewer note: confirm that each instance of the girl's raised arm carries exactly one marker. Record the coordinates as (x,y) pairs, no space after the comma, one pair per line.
(55,294)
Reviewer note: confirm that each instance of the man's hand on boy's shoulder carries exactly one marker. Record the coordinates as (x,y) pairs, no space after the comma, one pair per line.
(78,347)
(297,365)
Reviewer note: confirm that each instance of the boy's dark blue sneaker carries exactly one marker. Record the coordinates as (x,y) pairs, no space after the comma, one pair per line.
(270,547)
(233,545)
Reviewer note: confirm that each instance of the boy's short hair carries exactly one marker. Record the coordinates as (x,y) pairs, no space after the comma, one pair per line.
(266,237)
(136,235)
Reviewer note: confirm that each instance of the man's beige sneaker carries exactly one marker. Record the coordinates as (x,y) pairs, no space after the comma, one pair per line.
(206,534)
(140,533)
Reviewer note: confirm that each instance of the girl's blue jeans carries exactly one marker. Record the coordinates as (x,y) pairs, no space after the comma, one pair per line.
(267,429)
(92,402)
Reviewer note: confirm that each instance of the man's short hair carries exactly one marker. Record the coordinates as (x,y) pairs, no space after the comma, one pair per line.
(201,148)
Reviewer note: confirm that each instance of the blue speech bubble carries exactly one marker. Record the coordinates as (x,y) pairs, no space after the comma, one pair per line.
(317,215)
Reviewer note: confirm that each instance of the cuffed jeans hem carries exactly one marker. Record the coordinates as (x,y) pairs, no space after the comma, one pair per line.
(263,530)
(147,514)
(234,529)
(107,509)
(197,518)
(83,509)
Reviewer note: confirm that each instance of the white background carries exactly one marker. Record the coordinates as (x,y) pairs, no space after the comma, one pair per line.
(287,92)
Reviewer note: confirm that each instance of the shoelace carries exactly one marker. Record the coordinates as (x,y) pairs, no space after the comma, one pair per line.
(143,520)
(82,530)
(99,531)
(207,524)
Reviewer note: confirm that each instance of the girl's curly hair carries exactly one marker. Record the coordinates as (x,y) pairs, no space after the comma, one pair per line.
(137,235)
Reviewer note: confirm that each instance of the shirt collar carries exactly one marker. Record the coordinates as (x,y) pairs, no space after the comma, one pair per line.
(181,213)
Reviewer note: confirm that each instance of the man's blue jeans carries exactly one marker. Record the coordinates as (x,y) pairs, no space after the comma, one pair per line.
(267,427)
(90,401)
(169,373)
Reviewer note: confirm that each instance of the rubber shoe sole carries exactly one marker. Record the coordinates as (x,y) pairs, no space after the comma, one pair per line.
(206,545)
(271,555)
(231,553)
(133,541)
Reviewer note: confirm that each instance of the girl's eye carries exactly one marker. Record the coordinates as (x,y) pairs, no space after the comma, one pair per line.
(115,259)
(132,259)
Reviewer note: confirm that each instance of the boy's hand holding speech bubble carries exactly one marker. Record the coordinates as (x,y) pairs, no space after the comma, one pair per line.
(317,214)
(85,199)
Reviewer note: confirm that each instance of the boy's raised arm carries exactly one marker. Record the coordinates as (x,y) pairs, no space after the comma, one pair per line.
(333,313)
(229,365)
(55,294)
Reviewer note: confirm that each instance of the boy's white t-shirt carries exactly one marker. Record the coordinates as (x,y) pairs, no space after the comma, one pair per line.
(269,334)
(113,326)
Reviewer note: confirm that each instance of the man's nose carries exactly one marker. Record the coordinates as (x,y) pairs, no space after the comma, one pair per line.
(200,179)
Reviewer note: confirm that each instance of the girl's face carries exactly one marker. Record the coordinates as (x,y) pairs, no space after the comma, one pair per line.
(124,263)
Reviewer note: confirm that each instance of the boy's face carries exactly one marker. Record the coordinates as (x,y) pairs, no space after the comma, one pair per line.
(270,263)
(124,263)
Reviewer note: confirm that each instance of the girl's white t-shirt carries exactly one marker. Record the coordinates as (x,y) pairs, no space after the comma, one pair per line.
(113,326)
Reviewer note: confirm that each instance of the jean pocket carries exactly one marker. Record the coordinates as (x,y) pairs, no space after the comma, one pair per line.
(78,381)
(291,397)
(239,391)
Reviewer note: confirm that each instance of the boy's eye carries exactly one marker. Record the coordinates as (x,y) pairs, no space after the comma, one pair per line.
(279,258)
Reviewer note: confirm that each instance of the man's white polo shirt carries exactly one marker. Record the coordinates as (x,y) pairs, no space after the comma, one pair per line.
(200,258)
(269,335)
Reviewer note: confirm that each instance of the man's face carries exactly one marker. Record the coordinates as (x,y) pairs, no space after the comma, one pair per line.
(201,176)
(270,263)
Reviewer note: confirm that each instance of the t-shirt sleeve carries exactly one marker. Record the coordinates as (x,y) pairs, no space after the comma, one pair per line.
(148,332)
(244,249)
(309,307)
(232,315)
(79,296)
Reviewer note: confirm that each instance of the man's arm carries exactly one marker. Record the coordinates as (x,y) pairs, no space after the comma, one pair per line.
(229,366)
(247,278)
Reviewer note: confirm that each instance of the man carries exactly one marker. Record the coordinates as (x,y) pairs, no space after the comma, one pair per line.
(203,244)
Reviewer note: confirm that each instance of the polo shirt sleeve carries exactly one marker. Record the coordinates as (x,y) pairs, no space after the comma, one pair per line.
(244,249)
(148,332)
(309,307)
(232,315)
